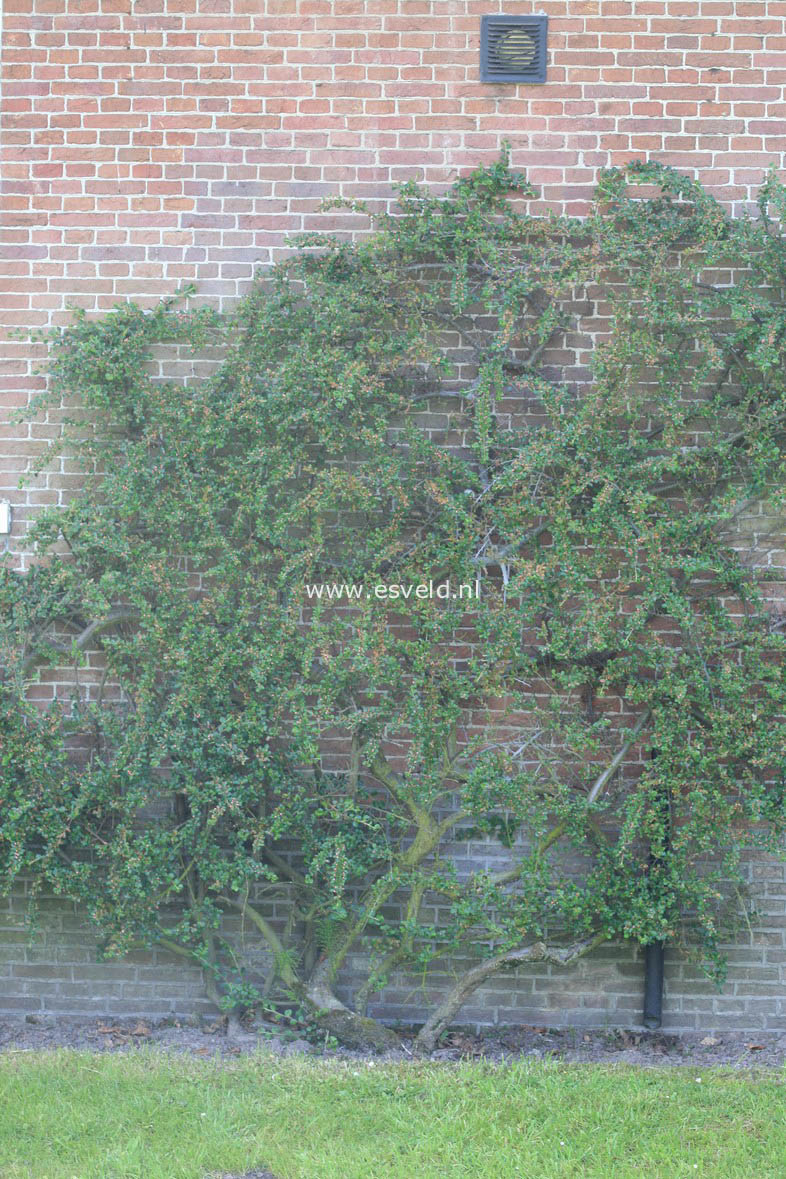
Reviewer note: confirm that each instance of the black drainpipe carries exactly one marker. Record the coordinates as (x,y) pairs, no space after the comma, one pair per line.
(653,985)
(654,955)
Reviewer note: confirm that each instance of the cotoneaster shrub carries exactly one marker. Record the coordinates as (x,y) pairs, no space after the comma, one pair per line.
(610,708)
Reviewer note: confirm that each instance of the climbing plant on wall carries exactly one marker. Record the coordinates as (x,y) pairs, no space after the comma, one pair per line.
(285,706)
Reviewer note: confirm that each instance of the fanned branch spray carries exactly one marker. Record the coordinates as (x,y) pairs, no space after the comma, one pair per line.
(392,412)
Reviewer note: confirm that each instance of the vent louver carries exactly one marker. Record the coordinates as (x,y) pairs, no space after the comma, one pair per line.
(513,48)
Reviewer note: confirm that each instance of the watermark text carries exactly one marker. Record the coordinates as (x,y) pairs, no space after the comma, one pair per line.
(444,591)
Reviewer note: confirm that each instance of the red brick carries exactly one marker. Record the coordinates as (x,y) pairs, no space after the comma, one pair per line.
(210,130)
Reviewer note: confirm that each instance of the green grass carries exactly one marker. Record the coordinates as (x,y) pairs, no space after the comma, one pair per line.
(73,1115)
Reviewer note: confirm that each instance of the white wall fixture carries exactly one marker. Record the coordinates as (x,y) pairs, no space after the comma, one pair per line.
(5,517)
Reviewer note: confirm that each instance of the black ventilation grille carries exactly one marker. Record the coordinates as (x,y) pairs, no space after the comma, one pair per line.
(513,48)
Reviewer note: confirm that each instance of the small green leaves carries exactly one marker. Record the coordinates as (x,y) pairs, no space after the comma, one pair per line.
(576,417)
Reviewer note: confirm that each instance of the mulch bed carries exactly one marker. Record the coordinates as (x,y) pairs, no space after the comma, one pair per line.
(201,1038)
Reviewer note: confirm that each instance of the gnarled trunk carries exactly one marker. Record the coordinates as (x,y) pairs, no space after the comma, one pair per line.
(349,1028)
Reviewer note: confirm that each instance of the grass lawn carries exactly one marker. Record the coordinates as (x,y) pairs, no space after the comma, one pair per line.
(72,1115)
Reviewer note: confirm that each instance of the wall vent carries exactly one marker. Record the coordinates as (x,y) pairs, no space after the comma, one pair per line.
(513,48)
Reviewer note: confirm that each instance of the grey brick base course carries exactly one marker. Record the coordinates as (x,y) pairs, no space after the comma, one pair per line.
(55,968)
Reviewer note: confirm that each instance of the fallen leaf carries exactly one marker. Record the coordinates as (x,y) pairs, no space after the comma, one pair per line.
(755,1047)
(141,1029)
(709,1042)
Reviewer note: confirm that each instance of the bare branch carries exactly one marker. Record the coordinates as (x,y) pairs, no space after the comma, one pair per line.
(537,952)
(82,640)
(285,969)
(603,779)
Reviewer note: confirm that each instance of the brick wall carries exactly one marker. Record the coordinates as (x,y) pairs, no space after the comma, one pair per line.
(147,143)
(151,142)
